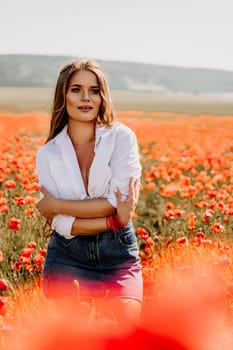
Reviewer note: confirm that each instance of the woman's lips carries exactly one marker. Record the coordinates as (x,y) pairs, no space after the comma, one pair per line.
(85,108)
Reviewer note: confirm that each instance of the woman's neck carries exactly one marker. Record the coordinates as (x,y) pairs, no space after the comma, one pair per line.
(81,133)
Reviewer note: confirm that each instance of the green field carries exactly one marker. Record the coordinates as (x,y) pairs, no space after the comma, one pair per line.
(20,100)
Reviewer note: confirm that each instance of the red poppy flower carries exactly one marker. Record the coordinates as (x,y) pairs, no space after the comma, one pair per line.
(10,184)
(31,245)
(19,201)
(27,252)
(142,232)
(14,224)
(182,241)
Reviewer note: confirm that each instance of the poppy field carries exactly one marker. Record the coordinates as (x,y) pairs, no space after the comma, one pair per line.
(184,226)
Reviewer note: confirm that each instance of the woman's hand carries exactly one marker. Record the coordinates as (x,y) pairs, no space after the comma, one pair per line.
(126,208)
(46,205)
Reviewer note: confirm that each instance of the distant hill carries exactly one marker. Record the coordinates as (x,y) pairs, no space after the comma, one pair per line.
(42,71)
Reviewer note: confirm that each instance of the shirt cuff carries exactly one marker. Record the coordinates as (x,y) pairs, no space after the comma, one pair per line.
(113,200)
(62,224)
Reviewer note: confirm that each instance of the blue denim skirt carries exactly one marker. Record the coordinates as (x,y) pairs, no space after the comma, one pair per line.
(106,264)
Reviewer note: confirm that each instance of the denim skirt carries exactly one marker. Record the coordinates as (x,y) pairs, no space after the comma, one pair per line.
(106,264)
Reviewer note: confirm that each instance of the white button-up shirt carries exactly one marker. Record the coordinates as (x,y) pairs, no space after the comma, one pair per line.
(116,159)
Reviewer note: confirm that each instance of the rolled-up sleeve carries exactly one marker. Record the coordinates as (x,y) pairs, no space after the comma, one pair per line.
(61,223)
(124,163)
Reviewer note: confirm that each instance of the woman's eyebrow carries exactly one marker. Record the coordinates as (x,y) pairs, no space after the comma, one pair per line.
(79,85)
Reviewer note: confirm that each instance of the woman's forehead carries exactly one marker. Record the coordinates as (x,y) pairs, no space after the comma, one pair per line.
(84,77)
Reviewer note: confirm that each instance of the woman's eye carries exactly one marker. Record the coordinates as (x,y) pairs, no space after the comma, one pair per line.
(75,89)
(95,91)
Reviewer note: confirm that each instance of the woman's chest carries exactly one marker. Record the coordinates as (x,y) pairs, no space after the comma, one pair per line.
(85,156)
(77,174)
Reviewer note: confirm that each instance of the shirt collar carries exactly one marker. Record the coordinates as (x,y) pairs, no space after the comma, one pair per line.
(101,131)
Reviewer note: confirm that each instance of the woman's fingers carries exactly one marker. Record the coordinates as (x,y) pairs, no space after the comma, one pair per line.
(134,188)
(118,195)
(43,190)
(126,207)
(133,192)
(131,189)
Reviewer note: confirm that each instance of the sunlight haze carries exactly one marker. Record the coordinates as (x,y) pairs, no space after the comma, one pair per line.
(189,33)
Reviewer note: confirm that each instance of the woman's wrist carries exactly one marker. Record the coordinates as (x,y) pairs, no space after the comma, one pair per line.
(87,227)
(114,222)
(57,206)
(124,217)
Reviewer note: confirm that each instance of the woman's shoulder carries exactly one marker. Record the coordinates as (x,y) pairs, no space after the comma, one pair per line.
(118,135)
(117,130)
(51,145)
(122,129)
(123,132)
(47,147)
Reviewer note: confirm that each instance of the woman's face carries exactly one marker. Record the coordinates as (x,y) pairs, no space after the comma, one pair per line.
(83,96)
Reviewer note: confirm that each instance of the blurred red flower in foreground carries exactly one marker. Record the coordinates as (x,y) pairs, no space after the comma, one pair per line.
(3,304)
(188,316)
(3,284)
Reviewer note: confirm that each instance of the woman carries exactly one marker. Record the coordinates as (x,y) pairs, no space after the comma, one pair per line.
(89,173)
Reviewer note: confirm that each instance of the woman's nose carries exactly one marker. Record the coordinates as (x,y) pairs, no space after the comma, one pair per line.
(85,95)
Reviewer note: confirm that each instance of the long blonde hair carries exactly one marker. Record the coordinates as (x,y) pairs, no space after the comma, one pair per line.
(59,117)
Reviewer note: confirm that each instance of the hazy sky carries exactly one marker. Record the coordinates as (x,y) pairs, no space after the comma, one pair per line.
(193,33)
